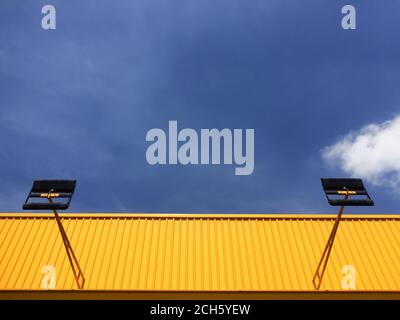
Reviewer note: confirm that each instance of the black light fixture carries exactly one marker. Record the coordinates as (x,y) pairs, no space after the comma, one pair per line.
(348,188)
(56,189)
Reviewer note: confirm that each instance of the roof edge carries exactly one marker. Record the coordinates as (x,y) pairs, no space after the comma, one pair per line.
(196,295)
(297,216)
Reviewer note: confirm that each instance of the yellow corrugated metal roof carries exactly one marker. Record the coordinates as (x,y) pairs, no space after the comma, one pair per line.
(166,252)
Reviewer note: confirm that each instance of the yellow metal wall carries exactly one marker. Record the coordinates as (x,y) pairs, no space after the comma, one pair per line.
(199,252)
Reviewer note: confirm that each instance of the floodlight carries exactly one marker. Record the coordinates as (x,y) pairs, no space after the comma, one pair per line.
(349,187)
(50,189)
(56,189)
(346,188)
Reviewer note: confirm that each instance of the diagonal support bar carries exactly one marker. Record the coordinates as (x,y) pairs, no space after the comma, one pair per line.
(78,274)
(319,273)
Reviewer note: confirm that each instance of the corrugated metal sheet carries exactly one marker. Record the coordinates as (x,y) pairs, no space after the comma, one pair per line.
(199,252)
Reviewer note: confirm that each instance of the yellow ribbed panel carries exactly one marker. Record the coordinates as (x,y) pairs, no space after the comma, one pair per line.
(181,252)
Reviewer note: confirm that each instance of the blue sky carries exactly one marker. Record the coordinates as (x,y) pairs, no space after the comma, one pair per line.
(76,102)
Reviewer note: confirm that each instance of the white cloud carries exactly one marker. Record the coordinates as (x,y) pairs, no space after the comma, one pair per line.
(372,153)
